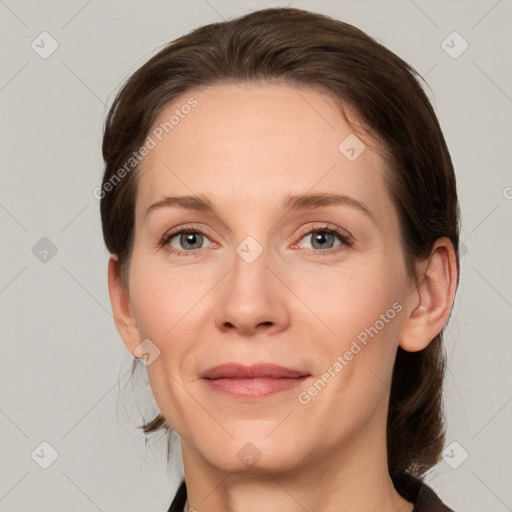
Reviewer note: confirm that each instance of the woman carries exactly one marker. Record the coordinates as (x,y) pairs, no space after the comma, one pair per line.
(281,211)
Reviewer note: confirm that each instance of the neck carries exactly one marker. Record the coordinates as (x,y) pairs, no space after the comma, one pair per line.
(353,476)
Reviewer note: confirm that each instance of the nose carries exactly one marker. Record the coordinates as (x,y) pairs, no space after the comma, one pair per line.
(252,299)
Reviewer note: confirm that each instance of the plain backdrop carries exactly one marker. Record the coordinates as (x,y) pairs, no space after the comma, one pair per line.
(64,372)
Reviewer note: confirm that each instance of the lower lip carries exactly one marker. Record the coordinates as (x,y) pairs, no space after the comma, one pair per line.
(253,389)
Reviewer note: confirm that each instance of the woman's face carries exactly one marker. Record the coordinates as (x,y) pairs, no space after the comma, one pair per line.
(262,276)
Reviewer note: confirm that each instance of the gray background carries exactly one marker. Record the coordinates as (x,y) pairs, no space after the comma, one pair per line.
(64,371)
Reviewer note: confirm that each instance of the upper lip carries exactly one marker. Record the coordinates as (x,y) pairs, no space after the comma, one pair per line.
(240,371)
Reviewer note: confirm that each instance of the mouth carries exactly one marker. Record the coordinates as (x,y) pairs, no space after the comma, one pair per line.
(252,382)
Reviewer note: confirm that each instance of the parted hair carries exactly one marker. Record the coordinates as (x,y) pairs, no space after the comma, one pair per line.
(306,49)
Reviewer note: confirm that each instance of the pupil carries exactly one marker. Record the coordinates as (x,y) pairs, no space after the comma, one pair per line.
(320,237)
(188,239)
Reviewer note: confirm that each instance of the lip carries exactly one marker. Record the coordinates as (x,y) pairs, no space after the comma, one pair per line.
(252,382)
(255,371)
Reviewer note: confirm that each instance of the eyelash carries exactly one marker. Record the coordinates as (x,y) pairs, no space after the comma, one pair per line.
(344,238)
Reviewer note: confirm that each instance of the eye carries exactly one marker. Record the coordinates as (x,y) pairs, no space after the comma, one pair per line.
(325,240)
(185,241)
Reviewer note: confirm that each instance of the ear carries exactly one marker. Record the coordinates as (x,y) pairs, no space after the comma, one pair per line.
(121,307)
(431,305)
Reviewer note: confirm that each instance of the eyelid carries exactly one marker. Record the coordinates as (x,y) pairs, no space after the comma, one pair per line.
(345,238)
(325,226)
(186,228)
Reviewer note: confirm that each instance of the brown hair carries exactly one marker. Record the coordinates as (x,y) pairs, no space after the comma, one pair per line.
(306,49)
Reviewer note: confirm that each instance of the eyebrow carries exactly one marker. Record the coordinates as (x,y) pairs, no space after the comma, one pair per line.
(291,203)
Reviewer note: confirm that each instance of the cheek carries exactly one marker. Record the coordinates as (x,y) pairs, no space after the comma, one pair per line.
(359,314)
(352,298)
(163,298)
(165,304)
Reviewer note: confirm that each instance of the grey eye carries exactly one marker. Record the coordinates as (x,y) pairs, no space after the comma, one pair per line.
(322,239)
(190,240)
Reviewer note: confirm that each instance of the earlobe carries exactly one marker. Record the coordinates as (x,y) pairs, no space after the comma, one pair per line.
(121,306)
(431,305)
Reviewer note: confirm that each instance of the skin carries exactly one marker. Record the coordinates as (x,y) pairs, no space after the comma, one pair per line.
(245,148)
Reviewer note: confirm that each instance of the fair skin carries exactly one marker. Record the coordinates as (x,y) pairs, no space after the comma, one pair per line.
(298,304)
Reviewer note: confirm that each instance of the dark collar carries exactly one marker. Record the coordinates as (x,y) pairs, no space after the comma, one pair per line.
(416,491)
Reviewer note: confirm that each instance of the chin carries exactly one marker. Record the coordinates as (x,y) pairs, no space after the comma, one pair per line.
(253,454)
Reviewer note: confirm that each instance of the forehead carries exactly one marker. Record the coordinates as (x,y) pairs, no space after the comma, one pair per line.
(256,143)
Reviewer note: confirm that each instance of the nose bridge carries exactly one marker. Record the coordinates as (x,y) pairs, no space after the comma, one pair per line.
(250,271)
(251,296)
